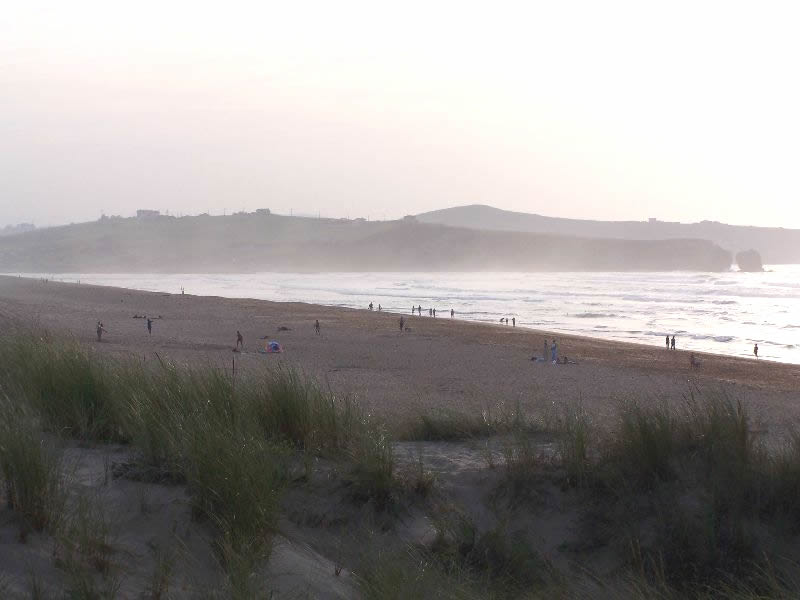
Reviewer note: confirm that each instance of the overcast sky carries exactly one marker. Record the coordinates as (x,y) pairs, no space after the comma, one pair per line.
(610,110)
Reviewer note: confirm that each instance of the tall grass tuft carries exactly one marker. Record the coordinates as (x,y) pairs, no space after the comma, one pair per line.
(294,408)
(373,456)
(573,445)
(31,469)
(64,382)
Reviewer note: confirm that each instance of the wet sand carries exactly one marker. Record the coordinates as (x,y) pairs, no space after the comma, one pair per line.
(436,363)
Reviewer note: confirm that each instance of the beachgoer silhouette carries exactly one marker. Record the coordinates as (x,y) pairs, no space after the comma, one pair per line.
(239,340)
(755,350)
(554,352)
(667,342)
(544,354)
(370,305)
(673,342)
(419,310)
(380,308)
(316,326)
(402,323)
(452,313)
(100,331)
(150,326)
(413,309)
(513,321)
(434,313)
(430,312)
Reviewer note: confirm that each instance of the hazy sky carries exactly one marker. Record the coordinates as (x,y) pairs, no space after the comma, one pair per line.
(613,110)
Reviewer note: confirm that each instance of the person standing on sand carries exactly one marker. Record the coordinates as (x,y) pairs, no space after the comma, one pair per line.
(452,313)
(554,352)
(402,323)
(316,326)
(239,340)
(755,350)
(513,321)
(100,331)
(370,305)
(673,342)
(434,313)
(379,308)
(149,326)
(419,310)
(667,342)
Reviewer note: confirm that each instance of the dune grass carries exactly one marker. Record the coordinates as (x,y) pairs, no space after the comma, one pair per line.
(64,382)
(695,503)
(228,440)
(30,469)
(721,501)
(447,425)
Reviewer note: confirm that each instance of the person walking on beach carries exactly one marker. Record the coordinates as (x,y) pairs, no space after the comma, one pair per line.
(452,313)
(419,310)
(513,321)
(316,326)
(667,342)
(380,308)
(673,342)
(434,313)
(370,305)
(554,352)
(402,323)
(149,326)
(239,340)
(430,312)
(755,351)
(100,331)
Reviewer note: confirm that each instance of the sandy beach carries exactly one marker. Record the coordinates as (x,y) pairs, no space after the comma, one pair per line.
(434,364)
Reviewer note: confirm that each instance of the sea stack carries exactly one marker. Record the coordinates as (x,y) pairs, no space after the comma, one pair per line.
(749,261)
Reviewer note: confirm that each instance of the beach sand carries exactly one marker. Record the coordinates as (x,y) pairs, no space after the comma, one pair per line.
(440,363)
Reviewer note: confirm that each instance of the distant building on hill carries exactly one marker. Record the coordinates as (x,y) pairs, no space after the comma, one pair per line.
(145,214)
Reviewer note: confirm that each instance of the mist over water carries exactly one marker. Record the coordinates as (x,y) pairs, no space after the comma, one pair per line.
(725,313)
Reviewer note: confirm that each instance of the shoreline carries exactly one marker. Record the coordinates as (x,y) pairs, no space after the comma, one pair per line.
(437,364)
(627,312)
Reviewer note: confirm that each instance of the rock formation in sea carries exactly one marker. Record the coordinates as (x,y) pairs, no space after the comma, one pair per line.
(749,261)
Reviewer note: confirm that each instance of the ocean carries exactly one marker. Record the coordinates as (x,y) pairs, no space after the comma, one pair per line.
(724,313)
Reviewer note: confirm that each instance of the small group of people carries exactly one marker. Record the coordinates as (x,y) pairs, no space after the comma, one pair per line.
(505,320)
(670,343)
(372,307)
(431,311)
(552,350)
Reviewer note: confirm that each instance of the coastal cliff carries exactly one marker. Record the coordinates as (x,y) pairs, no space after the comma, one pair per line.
(256,242)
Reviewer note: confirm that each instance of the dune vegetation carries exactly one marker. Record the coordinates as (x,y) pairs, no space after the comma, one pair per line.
(673,502)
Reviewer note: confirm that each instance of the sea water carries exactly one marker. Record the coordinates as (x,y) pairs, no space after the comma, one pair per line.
(725,313)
